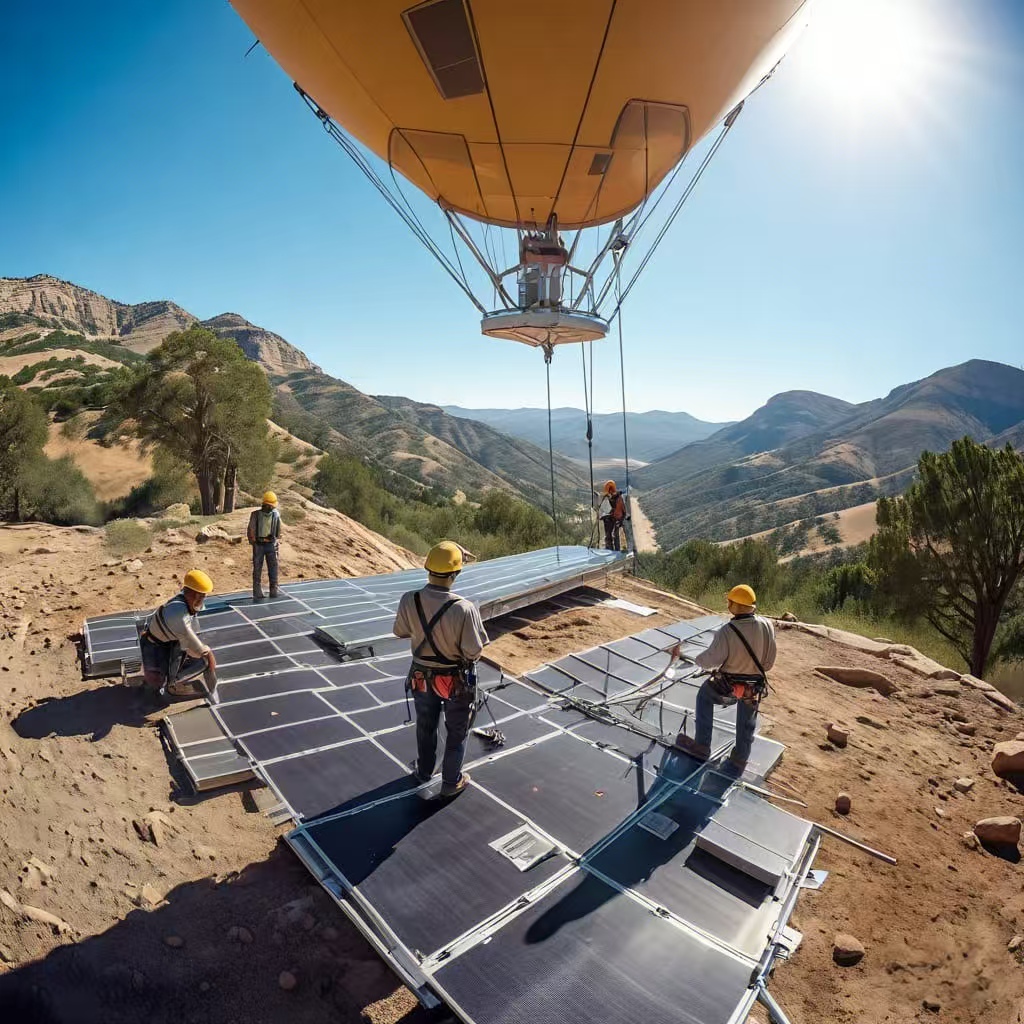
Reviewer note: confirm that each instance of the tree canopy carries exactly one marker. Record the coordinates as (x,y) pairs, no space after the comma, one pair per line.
(952,547)
(199,398)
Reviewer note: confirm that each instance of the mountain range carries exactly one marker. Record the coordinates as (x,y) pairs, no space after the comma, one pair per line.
(422,442)
(652,435)
(802,454)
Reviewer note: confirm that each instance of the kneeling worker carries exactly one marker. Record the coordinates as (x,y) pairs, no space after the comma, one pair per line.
(447,636)
(264,533)
(738,658)
(173,656)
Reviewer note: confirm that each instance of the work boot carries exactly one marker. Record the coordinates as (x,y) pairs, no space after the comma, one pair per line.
(275,592)
(688,745)
(257,595)
(449,789)
(414,767)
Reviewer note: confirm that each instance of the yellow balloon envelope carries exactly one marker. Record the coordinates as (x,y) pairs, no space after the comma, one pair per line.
(511,111)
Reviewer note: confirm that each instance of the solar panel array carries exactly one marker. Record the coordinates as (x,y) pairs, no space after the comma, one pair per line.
(345,612)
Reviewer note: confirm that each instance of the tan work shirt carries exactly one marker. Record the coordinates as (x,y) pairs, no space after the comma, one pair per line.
(459,636)
(728,653)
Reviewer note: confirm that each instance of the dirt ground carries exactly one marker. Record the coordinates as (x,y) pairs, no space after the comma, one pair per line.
(112,470)
(198,927)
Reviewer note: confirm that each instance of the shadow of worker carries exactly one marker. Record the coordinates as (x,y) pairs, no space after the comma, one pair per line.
(93,713)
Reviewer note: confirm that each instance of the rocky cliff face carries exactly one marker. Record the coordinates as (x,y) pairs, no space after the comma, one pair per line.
(67,306)
(277,356)
(51,302)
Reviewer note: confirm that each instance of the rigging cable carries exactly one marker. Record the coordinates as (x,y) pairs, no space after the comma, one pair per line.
(548,352)
(588,405)
(617,257)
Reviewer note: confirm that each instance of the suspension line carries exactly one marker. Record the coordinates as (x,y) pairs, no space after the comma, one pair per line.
(548,349)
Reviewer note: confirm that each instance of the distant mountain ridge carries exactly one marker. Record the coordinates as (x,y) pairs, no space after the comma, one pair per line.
(419,441)
(803,454)
(652,435)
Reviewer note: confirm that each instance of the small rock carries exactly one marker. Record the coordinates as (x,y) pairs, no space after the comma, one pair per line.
(1008,758)
(940,812)
(970,840)
(967,728)
(1015,943)
(151,896)
(999,831)
(847,950)
(788,617)
(287,980)
(174,941)
(963,785)
(838,735)
(843,803)
(931,1005)
(204,853)
(135,565)
(948,689)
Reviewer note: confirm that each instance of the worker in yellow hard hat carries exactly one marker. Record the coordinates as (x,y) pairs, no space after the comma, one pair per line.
(739,657)
(173,656)
(447,636)
(611,510)
(264,533)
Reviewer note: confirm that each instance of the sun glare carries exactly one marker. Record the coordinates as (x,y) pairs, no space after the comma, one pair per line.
(871,58)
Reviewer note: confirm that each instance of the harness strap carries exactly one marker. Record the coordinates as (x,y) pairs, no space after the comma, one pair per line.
(428,633)
(750,651)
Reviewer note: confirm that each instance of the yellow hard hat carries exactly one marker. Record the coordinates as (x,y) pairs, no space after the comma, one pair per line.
(269,498)
(742,594)
(444,559)
(609,487)
(197,580)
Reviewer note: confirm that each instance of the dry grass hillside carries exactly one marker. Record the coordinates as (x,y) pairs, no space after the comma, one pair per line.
(81,761)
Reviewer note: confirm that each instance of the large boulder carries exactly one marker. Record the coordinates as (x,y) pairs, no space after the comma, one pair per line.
(847,950)
(1001,831)
(923,666)
(1008,758)
(859,677)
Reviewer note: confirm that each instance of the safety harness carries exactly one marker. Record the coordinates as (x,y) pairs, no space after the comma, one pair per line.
(738,685)
(450,680)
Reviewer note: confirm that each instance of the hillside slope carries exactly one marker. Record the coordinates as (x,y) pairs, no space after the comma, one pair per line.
(652,435)
(55,333)
(873,450)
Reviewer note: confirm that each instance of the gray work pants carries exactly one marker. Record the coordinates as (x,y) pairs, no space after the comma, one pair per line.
(264,553)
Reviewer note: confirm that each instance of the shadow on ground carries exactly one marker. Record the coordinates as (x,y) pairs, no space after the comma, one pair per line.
(130,973)
(91,713)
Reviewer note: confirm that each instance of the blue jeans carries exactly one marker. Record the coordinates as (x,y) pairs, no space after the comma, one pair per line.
(746,721)
(457,716)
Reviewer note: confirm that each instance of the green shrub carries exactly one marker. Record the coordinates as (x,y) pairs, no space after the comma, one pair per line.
(127,537)
(56,491)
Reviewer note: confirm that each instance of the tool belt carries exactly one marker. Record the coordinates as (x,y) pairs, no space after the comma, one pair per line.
(449,680)
(734,686)
(447,683)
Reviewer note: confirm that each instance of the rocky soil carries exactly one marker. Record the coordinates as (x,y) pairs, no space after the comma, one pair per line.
(123,897)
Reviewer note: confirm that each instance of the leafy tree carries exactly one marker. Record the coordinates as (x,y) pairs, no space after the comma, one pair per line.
(952,547)
(200,399)
(56,491)
(23,433)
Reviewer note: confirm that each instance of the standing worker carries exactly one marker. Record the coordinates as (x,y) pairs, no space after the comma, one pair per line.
(612,512)
(447,636)
(264,533)
(173,656)
(739,658)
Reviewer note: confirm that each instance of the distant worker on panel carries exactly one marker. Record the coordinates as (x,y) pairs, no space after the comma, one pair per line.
(173,656)
(739,658)
(447,637)
(611,510)
(264,533)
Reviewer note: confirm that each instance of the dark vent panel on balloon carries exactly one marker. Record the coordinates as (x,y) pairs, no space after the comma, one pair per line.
(441,32)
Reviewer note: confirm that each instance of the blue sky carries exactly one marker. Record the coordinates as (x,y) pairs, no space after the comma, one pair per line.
(855,232)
